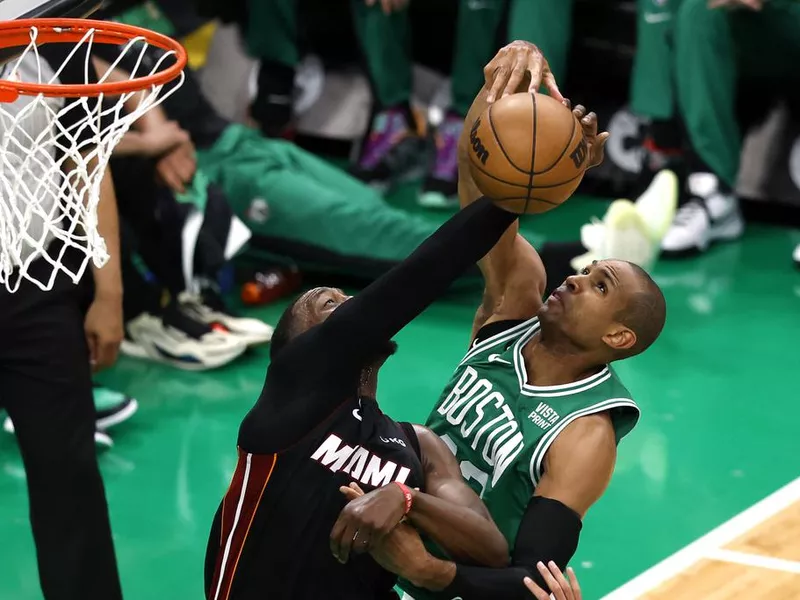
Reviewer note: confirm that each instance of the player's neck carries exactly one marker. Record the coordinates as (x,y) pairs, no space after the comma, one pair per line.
(368,383)
(557,362)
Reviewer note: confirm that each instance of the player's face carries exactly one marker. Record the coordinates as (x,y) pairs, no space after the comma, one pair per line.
(585,305)
(319,303)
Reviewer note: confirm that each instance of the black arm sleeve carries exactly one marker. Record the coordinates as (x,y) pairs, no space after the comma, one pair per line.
(549,531)
(317,371)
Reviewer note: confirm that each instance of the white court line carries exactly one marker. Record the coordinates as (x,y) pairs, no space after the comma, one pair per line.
(755,560)
(713,540)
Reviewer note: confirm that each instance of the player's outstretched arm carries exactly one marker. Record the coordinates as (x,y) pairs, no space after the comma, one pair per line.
(448,512)
(514,275)
(578,468)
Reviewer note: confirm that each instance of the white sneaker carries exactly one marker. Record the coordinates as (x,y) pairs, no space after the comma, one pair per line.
(629,231)
(181,343)
(796,255)
(711,215)
(251,331)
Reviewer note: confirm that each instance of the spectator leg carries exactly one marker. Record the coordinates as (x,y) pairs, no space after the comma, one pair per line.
(546,23)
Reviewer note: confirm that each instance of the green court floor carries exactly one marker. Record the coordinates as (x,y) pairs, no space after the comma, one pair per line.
(719,428)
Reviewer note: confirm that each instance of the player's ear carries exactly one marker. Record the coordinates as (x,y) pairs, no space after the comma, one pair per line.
(619,337)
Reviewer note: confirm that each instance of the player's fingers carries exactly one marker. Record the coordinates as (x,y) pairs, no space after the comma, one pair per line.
(579,111)
(589,124)
(336,534)
(488,72)
(597,152)
(346,542)
(562,582)
(549,82)
(517,75)
(108,354)
(354,486)
(362,542)
(349,493)
(536,67)
(186,168)
(498,83)
(551,582)
(573,583)
(538,592)
(169,177)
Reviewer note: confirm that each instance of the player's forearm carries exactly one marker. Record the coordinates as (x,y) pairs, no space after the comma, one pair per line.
(549,531)
(133,143)
(363,324)
(467,191)
(464,534)
(473,583)
(108,279)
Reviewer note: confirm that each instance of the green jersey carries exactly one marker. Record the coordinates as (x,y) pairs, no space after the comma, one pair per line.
(499,427)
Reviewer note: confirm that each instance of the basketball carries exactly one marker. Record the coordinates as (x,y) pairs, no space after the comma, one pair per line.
(527,153)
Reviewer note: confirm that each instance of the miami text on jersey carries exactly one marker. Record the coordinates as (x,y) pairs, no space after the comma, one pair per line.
(361,464)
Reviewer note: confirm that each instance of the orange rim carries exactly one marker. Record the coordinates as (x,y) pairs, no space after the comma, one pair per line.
(18,34)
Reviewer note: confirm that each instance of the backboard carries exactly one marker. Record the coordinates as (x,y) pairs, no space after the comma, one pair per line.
(26,9)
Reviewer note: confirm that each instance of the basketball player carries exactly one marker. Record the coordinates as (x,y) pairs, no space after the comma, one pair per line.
(50,346)
(533,413)
(278,532)
(317,426)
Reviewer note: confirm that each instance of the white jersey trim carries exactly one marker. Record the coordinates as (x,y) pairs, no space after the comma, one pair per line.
(497,338)
(236,516)
(544,444)
(551,391)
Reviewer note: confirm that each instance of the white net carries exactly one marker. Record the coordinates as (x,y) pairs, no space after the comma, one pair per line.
(53,154)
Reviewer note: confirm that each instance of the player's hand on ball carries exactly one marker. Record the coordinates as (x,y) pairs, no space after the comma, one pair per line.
(517,63)
(561,588)
(595,141)
(366,519)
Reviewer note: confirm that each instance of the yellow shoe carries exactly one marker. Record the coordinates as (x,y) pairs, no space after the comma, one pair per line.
(622,234)
(633,231)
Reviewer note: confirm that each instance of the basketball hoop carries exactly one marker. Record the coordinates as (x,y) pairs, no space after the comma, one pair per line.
(50,180)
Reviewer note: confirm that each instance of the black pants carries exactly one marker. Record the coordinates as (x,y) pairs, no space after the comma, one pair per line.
(46,387)
(154,222)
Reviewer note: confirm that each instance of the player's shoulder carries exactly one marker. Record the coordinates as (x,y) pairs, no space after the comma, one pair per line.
(501,333)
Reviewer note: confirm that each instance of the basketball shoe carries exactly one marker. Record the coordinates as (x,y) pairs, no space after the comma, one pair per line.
(632,231)
(392,150)
(209,308)
(176,339)
(440,188)
(111,408)
(796,256)
(712,214)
